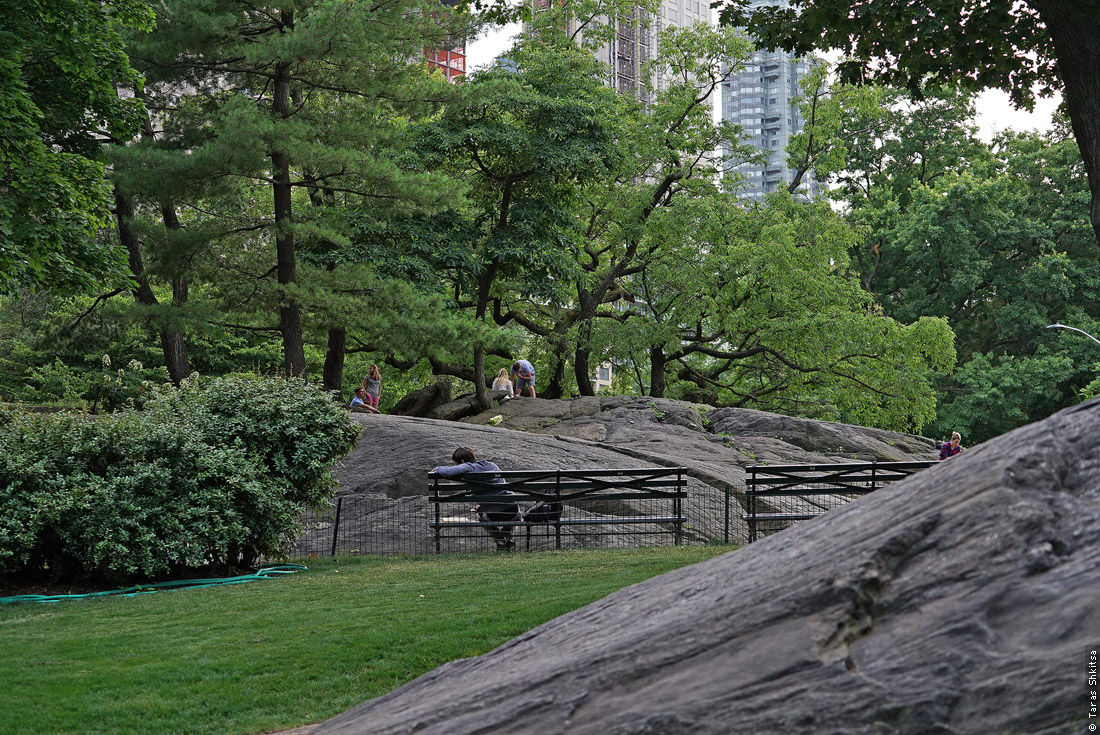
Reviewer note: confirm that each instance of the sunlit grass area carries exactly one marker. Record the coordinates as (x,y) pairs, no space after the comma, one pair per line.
(285,652)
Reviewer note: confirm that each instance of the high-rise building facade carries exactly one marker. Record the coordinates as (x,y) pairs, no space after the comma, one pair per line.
(763,99)
(636,43)
(450,61)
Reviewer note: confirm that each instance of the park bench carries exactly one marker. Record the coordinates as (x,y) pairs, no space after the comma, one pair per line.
(655,494)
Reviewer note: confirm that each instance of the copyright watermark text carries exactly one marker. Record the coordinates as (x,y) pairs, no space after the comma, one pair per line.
(1093,690)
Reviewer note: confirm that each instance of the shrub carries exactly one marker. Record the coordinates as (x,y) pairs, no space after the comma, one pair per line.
(215,473)
(105,390)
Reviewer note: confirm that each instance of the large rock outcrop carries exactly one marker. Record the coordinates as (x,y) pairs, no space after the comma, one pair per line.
(394,452)
(965,599)
(387,471)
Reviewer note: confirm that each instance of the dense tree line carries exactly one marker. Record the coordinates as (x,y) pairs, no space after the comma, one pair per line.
(995,238)
(293,191)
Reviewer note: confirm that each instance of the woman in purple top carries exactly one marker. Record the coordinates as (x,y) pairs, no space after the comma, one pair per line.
(951,448)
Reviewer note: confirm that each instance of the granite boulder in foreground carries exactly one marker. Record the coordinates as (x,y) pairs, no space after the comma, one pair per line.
(965,599)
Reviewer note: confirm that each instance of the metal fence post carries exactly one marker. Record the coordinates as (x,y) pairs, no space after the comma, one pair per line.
(438,519)
(336,525)
(679,506)
(750,492)
(557,497)
(726,531)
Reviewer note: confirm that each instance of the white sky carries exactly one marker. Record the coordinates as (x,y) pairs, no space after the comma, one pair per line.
(995,112)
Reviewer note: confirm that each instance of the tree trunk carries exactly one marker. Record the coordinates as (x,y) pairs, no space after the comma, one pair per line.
(555,386)
(657,361)
(290,315)
(581,358)
(1076,35)
(587,303)
(172,339)
(481,393)
(173,345)
(124,214)
(484,285)
(332,379)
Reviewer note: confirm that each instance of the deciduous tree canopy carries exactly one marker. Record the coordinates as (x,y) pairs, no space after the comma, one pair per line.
(1021,46)
(59,63)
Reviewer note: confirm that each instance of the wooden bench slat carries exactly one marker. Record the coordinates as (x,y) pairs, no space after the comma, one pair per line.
(640,471)
(915,464)
(542,486)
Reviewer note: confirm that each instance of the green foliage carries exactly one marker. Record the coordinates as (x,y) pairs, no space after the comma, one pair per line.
(1000,245)
(800,334)
(908,43)
(51,348)
(211,474)
(54,382)
(104,391)
(1024,48)
(113,389)
(993,395)
(59,62)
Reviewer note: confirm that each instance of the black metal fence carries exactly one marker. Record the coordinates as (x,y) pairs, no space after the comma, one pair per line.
(579,507)
(780,495)
(773,498)
(376,524)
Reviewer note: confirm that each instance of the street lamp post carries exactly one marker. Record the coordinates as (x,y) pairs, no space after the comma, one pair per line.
(1075,329)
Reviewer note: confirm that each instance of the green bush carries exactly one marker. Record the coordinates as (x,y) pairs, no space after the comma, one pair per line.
(214,473)
(106,390)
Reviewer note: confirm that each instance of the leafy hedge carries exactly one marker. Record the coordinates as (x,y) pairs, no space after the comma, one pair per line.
(215,473)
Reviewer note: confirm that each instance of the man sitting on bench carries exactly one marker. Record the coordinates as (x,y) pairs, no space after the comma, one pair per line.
(465,460)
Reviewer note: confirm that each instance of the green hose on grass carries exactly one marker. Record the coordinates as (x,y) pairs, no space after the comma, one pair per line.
(265,571)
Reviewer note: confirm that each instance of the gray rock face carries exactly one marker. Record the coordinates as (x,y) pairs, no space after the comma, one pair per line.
(965,599)
(395,452)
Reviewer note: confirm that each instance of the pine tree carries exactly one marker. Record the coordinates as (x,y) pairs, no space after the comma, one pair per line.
(281,102)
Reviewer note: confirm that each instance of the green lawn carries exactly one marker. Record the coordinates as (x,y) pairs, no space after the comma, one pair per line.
(284,652)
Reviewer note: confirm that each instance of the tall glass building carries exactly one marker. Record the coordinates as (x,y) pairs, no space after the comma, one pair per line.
(763,100)
(636,41)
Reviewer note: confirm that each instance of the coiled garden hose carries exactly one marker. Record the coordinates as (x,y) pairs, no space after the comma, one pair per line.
(265,571)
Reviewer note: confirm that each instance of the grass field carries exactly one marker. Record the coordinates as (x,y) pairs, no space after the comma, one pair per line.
(274,654)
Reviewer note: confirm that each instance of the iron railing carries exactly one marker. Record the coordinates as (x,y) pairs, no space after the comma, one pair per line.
(779,495)
(773,498)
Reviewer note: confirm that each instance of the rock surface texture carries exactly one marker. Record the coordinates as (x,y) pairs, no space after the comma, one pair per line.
(395,452)
(390,464)
(965,599)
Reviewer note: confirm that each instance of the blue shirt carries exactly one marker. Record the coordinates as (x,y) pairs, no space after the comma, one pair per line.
(482,465)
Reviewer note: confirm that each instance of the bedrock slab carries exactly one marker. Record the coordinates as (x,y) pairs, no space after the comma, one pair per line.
(965,599)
